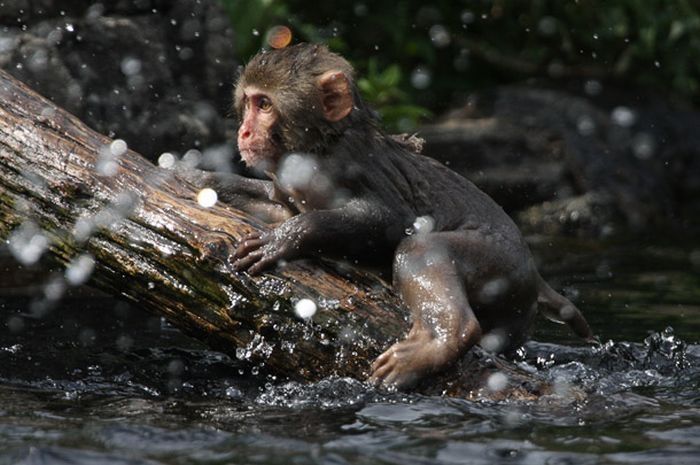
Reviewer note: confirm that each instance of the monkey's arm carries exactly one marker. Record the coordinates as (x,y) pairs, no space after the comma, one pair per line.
(253,196)
(359,227)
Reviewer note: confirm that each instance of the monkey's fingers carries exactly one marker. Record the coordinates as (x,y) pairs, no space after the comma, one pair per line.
(246,247)
(378,375)
(382,360)
(244,263)
(266,261)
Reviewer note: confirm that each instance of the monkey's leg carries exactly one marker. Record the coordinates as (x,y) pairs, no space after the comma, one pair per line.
(444,325)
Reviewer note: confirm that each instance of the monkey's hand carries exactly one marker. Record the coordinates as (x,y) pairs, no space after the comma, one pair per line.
(259,251)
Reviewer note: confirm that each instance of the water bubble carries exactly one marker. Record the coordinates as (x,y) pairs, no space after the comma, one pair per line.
(547,26)
(54,289)
(493,289)
(55,36)
(118,147)
(233,393)
(80,269)
(585,126)
(255,32)
(218,158)
(166,160)
(38,60)
(423,224)
(623,116)
(15,324)
(439,35)
(87,337)
(360,9)
(593,87)
(106,164)
(279,37)
(462,60)
(695,258)
(643,146)
(27,243)
(467,17)
(207,197)
(124,343)
(83,229)
(192,158)
(185,53)
(296,171)
(497,382)
(176,367)
(494,341)
(70,27)
(305,308)
(130,66)
(420,78)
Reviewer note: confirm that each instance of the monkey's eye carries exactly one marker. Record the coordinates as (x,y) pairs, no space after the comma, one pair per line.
(264,104)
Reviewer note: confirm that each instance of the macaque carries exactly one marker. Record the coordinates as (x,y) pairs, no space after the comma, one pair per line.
(341,187)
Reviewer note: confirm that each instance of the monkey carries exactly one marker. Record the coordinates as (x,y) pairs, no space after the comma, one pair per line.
(339,186)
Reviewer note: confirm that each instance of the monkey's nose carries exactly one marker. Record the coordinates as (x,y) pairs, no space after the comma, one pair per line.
(243,134)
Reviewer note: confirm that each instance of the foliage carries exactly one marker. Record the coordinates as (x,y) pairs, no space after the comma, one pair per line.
(433,54)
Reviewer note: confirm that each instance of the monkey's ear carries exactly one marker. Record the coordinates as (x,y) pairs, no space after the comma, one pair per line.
(335,95)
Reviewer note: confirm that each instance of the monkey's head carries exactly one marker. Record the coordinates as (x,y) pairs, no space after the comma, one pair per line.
(293,99)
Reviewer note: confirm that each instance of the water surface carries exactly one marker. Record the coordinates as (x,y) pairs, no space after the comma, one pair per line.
(93,381)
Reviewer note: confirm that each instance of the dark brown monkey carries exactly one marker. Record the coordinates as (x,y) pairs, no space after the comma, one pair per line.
(342,187)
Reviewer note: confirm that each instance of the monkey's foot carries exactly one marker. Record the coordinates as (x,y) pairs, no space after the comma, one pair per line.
(407,361)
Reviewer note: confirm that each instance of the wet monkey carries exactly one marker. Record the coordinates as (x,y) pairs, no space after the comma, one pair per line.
(341,187)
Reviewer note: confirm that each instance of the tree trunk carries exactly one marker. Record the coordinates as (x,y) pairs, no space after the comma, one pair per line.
(141,226)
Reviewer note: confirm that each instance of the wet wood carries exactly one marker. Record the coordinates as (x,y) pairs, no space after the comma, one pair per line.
(148,238)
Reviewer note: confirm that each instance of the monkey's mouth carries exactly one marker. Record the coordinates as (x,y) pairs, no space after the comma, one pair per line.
(252,157)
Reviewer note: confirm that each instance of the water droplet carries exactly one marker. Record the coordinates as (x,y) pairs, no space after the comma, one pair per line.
(593,87)
(130,66)
(467,17)
(585,126)
(547,26)
(423,224)
(166,160)
(118,147)
(623,116)
(305,308)
(80,269)
(643,146)
(440,36)
(279,37)
(27,243)
(421,78)
(497,382)
(207,197)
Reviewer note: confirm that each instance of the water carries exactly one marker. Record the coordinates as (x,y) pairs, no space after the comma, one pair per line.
(97,382)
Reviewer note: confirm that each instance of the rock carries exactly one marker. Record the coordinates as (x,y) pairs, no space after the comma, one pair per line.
(157,74)
(634,165)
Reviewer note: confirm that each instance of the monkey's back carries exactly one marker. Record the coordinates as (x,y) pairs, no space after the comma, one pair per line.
(453,201)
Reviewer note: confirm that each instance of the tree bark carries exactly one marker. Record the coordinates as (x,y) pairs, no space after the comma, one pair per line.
(148,238)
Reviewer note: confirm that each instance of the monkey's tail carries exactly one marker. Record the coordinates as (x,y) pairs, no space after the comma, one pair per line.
(557,308)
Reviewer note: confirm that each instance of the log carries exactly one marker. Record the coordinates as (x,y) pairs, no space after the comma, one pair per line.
(141,232)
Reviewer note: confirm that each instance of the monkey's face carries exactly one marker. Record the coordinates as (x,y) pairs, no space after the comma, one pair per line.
(291,100)
(255,135)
